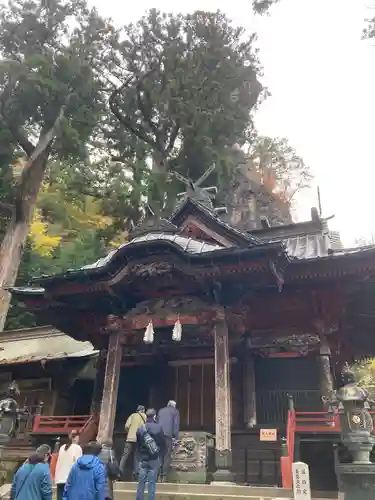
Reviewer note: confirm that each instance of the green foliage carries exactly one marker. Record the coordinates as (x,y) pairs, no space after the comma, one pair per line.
(85,249)
(262,6)
(176,96)
(365,374)
(47,49)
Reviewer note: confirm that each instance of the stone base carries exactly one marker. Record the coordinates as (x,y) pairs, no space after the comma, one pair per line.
(223,462)
(356,481)
(192,458)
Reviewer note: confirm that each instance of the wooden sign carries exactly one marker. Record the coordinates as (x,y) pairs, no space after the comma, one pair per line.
(301,481)
(268,435)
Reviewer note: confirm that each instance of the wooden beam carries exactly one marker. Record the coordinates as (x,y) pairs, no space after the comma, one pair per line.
(141,322)
(191,220)
(110,390)
(249,395)
(223,443)
(325,371)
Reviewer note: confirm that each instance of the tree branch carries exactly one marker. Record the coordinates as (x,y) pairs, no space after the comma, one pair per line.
(125,120)
(145,108)
(41,148)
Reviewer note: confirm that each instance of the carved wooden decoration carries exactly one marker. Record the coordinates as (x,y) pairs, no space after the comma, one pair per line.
(222,387)
(110,390)
(164,312)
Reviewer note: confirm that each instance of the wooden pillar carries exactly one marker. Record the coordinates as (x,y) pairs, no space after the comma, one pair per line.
(97,393)
(249,390)
(223,446)
(325,371)
(110,389)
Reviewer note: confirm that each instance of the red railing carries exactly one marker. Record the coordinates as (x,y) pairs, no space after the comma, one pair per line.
(304,421)
(286,461)
(60,424)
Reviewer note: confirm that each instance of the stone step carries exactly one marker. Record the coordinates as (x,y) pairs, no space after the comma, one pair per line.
(178,491)
(172,491)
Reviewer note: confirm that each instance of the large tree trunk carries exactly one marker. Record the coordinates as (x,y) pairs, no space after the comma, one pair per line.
(157,191)
(16,234)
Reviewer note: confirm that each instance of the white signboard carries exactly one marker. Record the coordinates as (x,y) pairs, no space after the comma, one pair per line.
(301,481)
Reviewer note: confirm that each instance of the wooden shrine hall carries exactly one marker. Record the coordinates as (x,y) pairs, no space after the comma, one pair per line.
(226,322)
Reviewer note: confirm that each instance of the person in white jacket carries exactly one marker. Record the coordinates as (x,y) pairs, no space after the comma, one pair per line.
(68,455)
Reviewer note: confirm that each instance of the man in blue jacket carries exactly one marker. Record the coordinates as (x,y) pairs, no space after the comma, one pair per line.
(169,421)
(87,479)
(149,459)
(32,481)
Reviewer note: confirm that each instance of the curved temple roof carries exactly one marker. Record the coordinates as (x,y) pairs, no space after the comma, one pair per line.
(188,245)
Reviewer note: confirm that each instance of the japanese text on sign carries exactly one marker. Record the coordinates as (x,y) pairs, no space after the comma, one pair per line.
(268,435)
(301,481)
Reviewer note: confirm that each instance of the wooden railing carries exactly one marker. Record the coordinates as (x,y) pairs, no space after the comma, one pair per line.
(303,421)
(60,424)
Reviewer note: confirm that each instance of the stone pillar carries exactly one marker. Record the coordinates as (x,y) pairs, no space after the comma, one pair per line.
(223,447)
(249,392)
(326,378)
(110,389)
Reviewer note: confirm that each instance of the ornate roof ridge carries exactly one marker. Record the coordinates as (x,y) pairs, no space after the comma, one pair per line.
(153,224)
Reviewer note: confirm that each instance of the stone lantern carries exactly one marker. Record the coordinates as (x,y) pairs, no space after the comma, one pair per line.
(356,479)
(356,421)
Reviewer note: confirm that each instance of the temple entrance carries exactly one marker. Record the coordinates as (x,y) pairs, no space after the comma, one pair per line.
(142,384)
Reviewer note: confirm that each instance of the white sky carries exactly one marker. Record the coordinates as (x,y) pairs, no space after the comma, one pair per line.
(322,79)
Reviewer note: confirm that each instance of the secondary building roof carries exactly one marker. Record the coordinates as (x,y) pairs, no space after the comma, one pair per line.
(37,344)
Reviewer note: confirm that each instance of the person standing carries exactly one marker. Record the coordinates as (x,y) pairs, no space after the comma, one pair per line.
(150,447)
(169,420)
(68,455)
(32,481)
(87,479)
(108,459)
(134,422)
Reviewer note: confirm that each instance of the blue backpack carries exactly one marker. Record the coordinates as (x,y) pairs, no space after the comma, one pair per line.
(149,442)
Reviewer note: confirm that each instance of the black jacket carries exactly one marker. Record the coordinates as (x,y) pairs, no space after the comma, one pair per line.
(156,432)
(169,420)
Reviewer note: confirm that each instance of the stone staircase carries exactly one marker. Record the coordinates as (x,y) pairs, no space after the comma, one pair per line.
(178,491)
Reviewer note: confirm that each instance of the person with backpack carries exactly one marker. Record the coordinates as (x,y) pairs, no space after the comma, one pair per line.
(32,481)
(68,455)
(150,447)
(133,423)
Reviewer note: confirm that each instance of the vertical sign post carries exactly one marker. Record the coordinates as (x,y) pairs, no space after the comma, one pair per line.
(301,481)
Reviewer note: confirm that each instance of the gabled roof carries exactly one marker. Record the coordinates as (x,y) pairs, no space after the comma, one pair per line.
(196,209)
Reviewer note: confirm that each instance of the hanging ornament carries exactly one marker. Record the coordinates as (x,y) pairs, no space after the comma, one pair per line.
(177,331)
(149,334)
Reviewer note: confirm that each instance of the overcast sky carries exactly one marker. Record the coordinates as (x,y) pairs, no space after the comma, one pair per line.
(322,79)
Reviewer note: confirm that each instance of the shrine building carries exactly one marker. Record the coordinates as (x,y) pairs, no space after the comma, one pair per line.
(246,330)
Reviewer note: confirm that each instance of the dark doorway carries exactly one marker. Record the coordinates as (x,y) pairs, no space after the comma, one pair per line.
(82,396)
(134,390)
(320,458)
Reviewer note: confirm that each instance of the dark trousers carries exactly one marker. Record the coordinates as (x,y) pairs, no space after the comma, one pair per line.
(147,473)
(129,449)
(60,490)
(167,457)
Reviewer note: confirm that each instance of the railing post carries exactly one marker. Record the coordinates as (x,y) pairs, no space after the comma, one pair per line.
(290,402)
